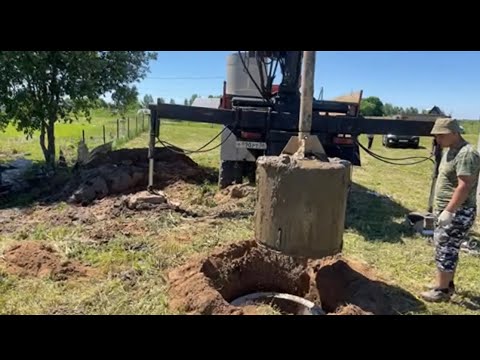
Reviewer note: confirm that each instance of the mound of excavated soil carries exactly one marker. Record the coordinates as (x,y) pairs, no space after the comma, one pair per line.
(234,192)
(207,285)
(126,170)
(39,260)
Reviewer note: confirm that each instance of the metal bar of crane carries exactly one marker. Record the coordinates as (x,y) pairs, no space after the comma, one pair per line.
(365,125)
(289,122)
(151,148)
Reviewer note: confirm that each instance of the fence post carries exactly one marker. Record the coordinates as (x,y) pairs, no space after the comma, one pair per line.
(128,127)
(136,125)
(118,129)
(104,138)
(83,136)
(478,185)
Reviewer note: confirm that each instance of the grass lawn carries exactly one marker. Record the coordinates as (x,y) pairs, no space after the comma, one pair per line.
(133,261)
(14,143)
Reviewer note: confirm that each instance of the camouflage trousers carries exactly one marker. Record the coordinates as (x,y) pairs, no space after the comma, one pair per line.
(448,238)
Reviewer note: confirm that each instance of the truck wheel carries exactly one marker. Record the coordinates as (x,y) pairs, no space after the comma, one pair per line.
(230,172)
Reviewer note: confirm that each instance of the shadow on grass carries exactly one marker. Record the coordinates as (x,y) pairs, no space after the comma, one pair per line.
(373,216)
(469,300)
(420,147)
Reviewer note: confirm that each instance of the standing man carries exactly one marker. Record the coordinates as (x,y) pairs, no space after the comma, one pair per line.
(454,203)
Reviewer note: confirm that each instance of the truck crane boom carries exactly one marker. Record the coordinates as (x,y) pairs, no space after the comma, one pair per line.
(259,118)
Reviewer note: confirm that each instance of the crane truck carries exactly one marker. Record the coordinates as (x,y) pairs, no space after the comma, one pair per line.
(259,117)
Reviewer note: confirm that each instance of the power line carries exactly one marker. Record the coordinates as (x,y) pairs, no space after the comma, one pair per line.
(184,77)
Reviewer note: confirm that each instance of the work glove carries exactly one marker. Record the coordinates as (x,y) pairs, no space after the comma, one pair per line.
(445,218)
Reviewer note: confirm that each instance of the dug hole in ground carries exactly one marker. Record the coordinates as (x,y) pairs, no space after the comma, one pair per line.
(98,195)
(293,212)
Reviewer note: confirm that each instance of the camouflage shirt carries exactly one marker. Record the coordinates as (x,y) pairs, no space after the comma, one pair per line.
(457,161)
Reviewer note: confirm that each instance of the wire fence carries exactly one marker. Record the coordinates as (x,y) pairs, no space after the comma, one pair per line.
(116,131)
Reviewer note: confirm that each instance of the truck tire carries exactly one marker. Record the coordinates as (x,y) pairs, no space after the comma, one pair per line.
(230,172)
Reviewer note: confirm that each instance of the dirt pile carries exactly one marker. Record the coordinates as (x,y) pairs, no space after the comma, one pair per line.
(207,285)
(126,170)
(31,259)
(235,192)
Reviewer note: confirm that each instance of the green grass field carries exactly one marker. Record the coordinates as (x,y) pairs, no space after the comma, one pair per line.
(14,143)
(134,262)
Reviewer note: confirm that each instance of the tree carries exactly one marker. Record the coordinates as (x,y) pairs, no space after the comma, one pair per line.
(172,101)
(147,100)
(185,102)
(192,99)
(412,111)
(40,88)
(100,103)
(371,106)
(124,99)
(161,100)
(388,109)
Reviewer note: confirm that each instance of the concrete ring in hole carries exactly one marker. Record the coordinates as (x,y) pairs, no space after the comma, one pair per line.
(287,303)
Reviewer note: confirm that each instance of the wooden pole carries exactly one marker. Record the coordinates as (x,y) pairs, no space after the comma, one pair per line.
(437,151)
(305,144)
(478,186)
(306,97)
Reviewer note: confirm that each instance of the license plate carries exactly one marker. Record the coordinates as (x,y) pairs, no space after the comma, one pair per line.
(251,145)
(403,140)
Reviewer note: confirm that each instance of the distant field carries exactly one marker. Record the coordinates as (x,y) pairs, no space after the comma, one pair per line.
(14,143)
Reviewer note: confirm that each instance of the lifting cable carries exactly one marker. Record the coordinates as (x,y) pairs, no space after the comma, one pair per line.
(201,149)
(386,159)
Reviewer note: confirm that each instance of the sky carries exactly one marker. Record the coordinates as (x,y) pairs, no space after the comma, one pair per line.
(422,79)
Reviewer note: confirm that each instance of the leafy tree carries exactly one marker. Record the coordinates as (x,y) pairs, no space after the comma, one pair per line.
(192,99)
(40,88)
(388,109)
(371,106)
(147,100)
(124,99)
